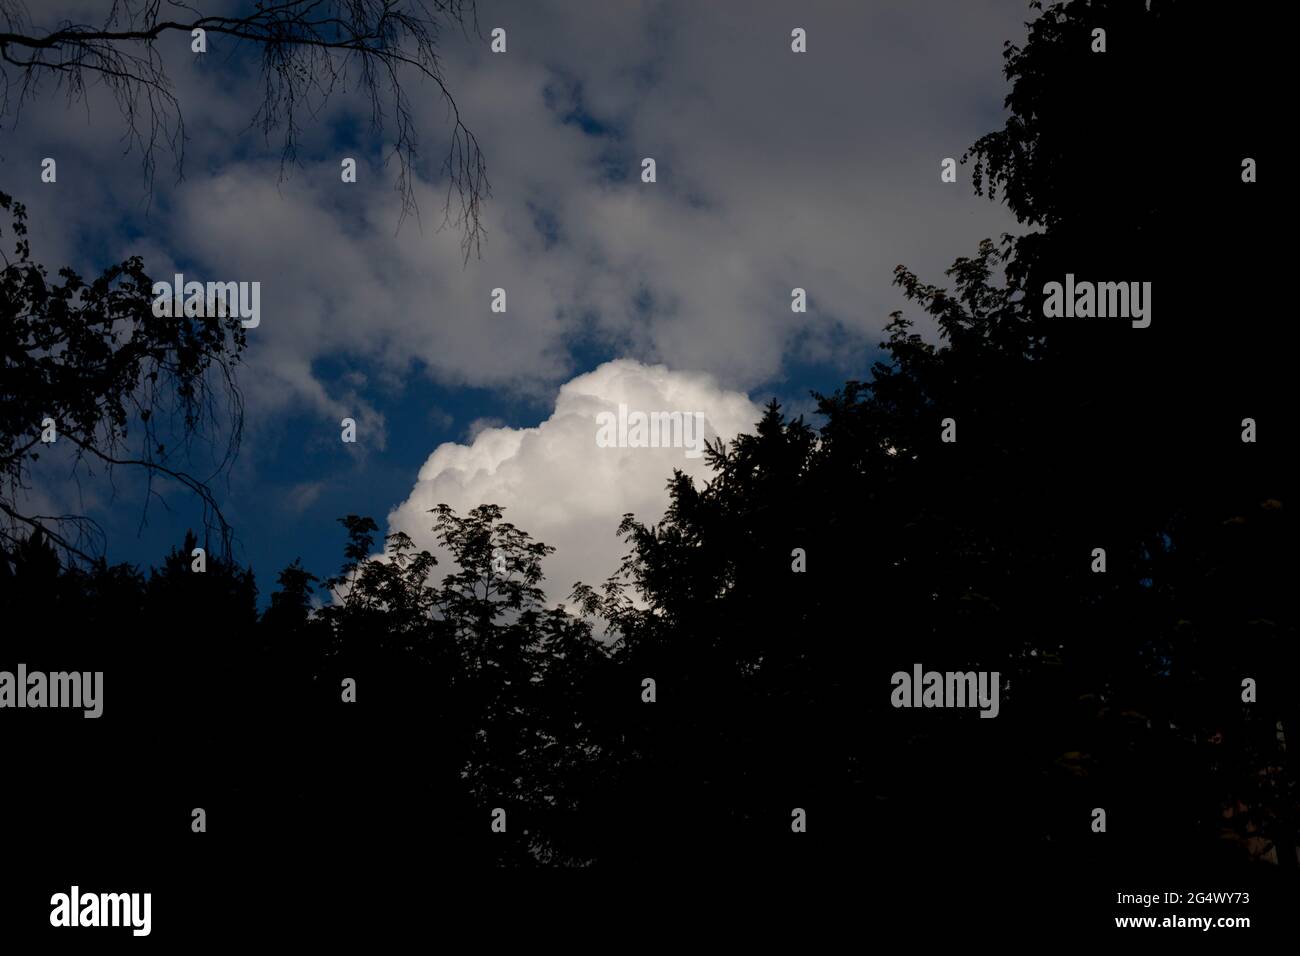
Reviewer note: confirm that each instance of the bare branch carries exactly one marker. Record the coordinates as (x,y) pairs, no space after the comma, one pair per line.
(307,48)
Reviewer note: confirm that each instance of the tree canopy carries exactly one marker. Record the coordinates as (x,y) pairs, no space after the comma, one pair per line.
(1122,689)
(88,364)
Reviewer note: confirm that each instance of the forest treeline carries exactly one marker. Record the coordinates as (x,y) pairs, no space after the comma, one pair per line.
(1123,689)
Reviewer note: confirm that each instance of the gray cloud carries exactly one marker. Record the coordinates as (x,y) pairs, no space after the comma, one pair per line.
(775,169)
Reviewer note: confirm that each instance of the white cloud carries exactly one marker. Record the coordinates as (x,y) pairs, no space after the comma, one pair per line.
(556,484)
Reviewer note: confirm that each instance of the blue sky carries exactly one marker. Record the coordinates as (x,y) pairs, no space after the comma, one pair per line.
(775,169)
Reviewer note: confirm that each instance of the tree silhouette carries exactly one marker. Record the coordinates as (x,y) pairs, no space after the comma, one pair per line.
(1120,690)
(472,699)
(1124,688)
(91,358)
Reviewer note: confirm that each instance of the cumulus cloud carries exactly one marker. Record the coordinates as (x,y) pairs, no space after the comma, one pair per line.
(555,482)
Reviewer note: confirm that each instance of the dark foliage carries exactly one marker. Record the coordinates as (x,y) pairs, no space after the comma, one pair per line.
(1122,690)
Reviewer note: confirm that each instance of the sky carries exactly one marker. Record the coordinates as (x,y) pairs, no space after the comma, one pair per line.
(775,170)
